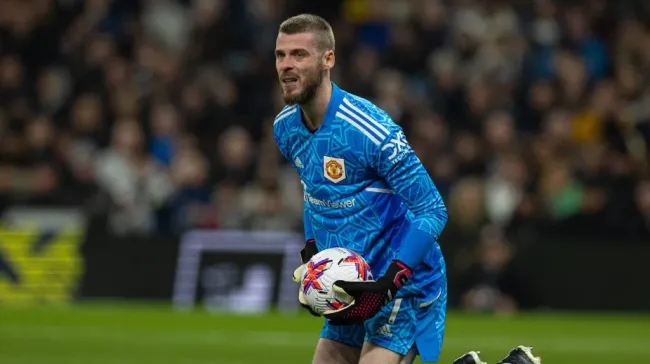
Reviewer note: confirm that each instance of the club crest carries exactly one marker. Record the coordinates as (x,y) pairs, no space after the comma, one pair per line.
(334,169)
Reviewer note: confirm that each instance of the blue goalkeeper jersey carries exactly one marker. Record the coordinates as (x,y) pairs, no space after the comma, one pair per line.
(364,187)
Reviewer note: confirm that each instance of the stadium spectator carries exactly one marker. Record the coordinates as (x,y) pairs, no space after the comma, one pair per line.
(531,116)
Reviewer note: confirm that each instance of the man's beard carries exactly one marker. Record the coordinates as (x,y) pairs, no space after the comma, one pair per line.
(310,86)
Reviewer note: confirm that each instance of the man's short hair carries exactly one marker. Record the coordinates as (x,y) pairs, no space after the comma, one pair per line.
(309,23)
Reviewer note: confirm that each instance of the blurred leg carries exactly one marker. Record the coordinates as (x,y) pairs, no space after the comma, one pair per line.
(374,354)
(332,352)
(410,357)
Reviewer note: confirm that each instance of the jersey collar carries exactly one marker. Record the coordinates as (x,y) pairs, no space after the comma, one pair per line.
(335,100)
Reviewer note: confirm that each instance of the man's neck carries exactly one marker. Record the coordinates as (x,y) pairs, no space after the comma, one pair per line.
(314,110)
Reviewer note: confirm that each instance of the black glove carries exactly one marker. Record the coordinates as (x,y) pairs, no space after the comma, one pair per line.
(308,251)
(369,296)
(305,254)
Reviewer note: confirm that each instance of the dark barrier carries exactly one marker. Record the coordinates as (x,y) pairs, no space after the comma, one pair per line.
(561,274)
(132,267)
(251,271)
(220,270)
(597,277)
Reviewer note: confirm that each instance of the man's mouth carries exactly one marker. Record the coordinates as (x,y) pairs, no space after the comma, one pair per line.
(289,80)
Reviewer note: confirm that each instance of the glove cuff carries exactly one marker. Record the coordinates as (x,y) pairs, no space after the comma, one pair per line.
(399,273)
(309,250)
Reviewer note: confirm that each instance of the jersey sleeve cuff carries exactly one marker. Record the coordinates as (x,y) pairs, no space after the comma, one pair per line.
(415,247)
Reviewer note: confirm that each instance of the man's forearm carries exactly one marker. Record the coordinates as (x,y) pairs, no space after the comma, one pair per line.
(418,242)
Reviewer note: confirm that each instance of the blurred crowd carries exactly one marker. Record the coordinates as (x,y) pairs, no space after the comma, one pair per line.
(532,117)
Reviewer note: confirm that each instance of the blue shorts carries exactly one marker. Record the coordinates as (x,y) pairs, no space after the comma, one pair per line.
(400,325)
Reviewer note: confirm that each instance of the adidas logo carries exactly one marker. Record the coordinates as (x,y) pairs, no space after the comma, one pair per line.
(384,330)
(298,163)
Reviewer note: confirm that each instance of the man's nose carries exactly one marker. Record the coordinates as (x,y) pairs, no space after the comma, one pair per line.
(286,64)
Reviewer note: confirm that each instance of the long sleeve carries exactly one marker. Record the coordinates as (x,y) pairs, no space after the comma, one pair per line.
(397,163)
(277,130)
(309,233)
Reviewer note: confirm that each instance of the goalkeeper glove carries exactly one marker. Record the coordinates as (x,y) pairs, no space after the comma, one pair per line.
(368,296)
(305,254)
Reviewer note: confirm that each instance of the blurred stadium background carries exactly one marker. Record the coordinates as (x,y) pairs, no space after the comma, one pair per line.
(147,216)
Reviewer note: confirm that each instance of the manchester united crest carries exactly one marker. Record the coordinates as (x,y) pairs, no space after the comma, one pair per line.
(334,169)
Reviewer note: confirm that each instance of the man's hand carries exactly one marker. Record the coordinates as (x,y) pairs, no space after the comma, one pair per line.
(369,296)
(305,254)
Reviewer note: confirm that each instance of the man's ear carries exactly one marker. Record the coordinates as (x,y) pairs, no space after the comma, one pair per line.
(329,59)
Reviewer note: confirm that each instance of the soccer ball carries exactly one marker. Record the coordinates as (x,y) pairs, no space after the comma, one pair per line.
(327,267)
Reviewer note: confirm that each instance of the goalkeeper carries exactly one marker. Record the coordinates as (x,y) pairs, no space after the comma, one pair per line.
(365,190)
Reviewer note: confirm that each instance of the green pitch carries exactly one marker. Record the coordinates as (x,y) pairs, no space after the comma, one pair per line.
(118,334)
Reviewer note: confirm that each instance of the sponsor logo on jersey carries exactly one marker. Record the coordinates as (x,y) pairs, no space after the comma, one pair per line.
(298,163)
(328,203)
(398,146)
(334,169)
(384,330)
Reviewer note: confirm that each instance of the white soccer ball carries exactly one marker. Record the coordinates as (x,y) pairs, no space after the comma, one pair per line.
(327,267)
